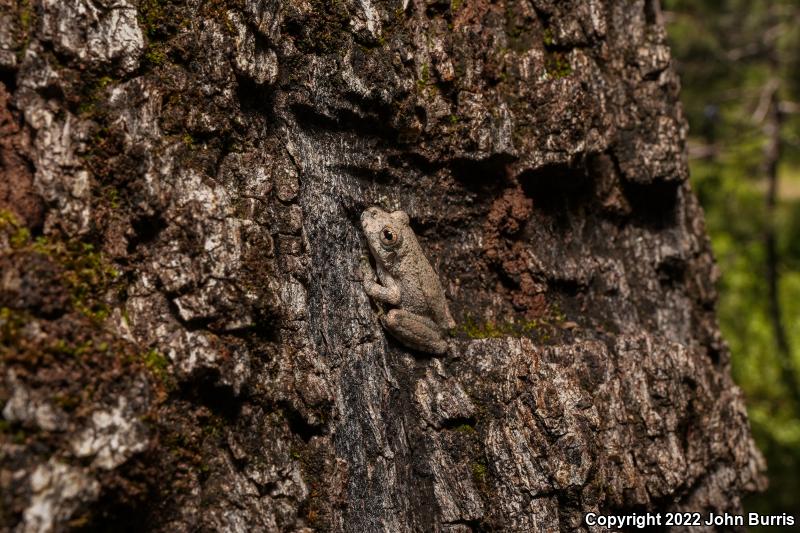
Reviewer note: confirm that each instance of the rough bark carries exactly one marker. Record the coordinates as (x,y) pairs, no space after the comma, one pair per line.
(186,341)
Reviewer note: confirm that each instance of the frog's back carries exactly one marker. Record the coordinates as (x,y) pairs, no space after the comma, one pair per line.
(423,288)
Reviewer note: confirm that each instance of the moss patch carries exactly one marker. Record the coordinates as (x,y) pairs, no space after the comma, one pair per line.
(465,428)
(546,329)
(475,329)
(158,366)
(556,64)
(479,472)
(85,272)
(26,18)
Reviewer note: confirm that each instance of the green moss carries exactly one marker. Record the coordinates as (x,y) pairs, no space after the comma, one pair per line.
(557,65)
(156,363)
(424,77)
(455,5)
(18,234)
(10,324)
(214,427)
(63,347)
(479,472)
(538,329)
(21,236)
(156,55)
(7,218)
(104,81)
(151,16)
(487,330)
(465,428)
(92,95)
(453,119)
(86,272)
(547,37)
(25,17)
(112,195)
(89,275)
(86,107)
(556,314)
(219,9)
(161,21)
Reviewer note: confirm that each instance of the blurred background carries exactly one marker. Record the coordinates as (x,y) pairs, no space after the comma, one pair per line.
(739,63)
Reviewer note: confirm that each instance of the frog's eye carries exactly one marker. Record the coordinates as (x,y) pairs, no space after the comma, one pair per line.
(388,236)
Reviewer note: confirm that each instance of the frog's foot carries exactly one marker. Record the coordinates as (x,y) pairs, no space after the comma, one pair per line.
(415,331)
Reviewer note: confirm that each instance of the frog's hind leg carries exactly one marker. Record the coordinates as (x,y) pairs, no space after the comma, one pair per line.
(415,331)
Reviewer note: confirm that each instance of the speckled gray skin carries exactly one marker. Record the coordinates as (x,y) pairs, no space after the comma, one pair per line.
(407,282)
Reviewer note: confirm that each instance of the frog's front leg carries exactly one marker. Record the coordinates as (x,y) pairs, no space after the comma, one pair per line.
(415,331)
(388,293)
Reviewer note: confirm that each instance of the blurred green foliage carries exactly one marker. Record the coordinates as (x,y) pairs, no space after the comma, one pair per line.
(727,52)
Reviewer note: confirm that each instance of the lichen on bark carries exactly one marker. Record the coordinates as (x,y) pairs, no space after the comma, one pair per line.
(186,340)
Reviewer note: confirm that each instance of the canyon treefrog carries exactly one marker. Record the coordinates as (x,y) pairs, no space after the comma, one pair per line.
(420,317)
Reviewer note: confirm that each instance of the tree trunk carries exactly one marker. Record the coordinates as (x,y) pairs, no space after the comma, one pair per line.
(187,344)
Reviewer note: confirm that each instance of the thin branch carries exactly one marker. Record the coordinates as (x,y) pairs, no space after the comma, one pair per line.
(765,101)
(789,108)
(703,151)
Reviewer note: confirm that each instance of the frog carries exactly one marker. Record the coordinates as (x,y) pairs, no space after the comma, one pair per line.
(419,317)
